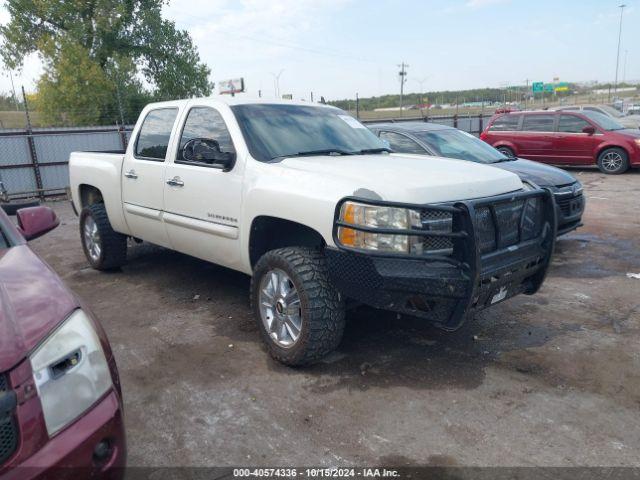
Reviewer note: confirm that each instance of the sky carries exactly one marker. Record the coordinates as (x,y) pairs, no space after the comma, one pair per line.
(337,48)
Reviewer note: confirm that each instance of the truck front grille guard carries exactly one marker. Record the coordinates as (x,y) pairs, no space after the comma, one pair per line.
(482,239)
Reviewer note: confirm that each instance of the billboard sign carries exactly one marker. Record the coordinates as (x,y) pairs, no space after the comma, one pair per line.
(230,87)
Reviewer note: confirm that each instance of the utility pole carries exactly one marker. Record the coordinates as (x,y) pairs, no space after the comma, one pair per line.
(526,93)
(615,85)
(403,78)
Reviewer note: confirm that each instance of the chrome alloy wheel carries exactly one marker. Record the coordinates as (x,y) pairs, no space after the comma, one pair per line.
(280,308)
(92,240)
(612,161)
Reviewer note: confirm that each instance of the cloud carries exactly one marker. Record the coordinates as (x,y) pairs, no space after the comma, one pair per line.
(252,38)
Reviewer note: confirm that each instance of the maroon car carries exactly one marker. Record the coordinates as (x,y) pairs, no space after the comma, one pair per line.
(566,138)
(60,399)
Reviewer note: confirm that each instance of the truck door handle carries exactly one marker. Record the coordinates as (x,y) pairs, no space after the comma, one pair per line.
(175,182)
(131,174)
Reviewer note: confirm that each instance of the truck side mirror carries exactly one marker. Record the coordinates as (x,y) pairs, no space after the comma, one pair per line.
(207,150)
(589,130)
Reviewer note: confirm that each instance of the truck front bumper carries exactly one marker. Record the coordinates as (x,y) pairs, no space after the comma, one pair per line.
(447,291)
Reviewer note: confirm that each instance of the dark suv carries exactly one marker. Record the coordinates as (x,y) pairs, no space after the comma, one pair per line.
(443,141)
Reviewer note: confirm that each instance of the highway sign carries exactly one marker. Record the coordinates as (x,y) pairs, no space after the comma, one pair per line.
(537,87)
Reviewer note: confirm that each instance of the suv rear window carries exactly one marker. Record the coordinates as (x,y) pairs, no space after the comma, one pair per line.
(505,123)
(538,123)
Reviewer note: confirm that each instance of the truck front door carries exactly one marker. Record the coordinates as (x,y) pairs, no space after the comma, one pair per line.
(143,177)
(202,199)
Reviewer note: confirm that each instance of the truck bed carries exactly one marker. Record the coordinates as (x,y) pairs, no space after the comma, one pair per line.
(102,171)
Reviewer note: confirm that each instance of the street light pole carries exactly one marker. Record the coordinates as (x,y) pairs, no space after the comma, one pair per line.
(615,84)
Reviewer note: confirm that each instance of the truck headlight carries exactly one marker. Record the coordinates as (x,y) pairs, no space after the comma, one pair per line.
(373,216)
(70,371)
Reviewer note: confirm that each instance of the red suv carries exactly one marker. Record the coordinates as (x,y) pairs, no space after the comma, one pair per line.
(566,138)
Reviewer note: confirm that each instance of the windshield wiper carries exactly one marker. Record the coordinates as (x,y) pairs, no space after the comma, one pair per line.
(326,151)
(366,151)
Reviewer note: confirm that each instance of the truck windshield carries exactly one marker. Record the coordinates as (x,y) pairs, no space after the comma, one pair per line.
(273,131)
(457,144)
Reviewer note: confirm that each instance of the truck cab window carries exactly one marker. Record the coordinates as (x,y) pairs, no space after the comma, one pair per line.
(153,139)
(205,123)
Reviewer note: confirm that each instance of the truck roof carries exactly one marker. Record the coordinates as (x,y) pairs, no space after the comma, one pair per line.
(242,100)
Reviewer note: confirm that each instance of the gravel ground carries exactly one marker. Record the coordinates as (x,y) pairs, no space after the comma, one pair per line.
(547,380)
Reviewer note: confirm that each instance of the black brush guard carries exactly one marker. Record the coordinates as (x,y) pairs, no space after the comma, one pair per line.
(485,265)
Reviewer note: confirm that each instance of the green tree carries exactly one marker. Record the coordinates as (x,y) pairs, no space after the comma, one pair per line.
(98,53)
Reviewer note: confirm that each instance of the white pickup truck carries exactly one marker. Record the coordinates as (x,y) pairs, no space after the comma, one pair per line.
(316,209)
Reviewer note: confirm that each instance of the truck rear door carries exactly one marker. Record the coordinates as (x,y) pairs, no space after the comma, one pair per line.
(143,176)
(202,200)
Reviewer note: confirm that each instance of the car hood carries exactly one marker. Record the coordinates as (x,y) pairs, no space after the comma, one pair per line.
(406,178)
(628,132)
(538,173)
(632,121)
(33,301)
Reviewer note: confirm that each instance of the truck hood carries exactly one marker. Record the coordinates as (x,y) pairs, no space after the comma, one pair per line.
(408,178)
(538,173)
(33,301)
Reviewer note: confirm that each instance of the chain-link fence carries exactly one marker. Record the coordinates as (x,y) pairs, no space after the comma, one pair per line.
(35,162)
(469,123)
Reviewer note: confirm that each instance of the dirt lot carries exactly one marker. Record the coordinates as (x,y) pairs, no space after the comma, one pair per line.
(552,379)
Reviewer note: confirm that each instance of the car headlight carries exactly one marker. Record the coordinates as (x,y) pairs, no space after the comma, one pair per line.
(637,140)
(70,371)
(388,218)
